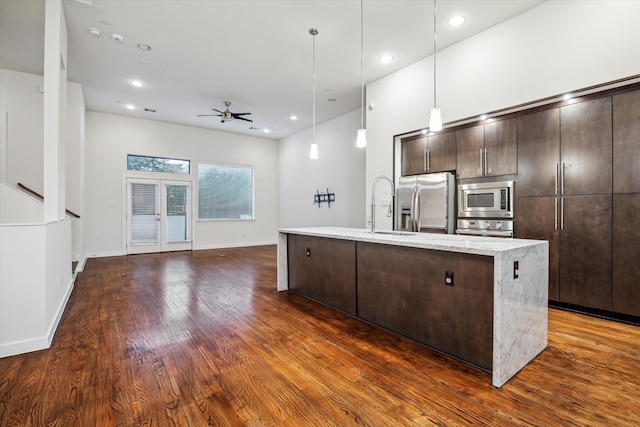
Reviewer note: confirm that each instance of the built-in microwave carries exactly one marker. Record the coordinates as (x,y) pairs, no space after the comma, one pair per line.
(486,200)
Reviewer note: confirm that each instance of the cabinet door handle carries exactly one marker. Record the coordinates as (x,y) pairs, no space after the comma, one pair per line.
(562,179)
(557,173)
(424,161)
(486,164)
(428,160)
(481,162)
(555,217)
(562,213)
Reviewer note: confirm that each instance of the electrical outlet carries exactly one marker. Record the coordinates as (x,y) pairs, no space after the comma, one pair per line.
(448,278)
(516,269)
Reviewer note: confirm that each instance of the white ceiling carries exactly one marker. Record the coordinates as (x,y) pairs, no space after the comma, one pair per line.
(255,53)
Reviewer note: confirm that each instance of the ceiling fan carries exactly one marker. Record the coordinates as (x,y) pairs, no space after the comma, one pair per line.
(227,115)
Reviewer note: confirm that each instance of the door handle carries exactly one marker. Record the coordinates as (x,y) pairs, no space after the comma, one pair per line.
(555,217)
(562,213)
(424,161)
(557,173)
(486,164)
(417,212)
(562,177)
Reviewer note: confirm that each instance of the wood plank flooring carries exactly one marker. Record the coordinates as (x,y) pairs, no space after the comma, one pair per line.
(203,338)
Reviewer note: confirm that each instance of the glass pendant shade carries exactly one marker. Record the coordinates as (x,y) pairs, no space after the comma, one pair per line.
(361,139)
(435,120)
(313,154)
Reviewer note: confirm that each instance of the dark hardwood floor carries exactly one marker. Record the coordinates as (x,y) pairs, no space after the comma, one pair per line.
(203,338)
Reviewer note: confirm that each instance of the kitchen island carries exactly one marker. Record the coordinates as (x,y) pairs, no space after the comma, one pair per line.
(481,300)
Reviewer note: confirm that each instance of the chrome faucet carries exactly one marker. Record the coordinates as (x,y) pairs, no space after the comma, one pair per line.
(373,200)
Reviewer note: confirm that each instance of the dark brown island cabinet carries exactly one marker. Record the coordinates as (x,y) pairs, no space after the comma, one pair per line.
(324,270)
(406,294)
(426,154)
(487,150)
(482,301)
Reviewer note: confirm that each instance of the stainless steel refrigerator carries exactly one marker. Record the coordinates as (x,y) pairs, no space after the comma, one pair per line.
(425,203)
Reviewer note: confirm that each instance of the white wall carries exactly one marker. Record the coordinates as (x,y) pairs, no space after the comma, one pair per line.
(19,208)
(109,138)
(554,48)
(339,168)
(23,103)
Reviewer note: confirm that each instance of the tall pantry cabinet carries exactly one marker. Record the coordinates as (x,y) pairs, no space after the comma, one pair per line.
(564,196)
(626,203)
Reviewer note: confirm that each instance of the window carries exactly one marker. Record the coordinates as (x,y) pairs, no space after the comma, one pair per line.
(225,191)
(157,164)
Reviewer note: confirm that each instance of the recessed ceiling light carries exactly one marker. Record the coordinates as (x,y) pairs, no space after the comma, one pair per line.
(456,21)
(385,59)
(117,38)
(94,32)
(143,46)
(130,107)
(293,117)
(267,130)
(137,83)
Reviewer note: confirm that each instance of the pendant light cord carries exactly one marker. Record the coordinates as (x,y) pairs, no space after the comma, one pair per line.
(435,38)
(314,32)
(362,63)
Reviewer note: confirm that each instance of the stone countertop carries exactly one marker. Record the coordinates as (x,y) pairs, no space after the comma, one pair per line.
(478,245)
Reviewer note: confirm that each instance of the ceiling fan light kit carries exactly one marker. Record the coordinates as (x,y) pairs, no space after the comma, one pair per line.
(227,116)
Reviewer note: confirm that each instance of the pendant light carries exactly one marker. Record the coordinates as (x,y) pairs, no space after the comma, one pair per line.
(435,119)
(313,154)
(361,138)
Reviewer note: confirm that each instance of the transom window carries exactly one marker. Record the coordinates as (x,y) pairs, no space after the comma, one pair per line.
(157,164)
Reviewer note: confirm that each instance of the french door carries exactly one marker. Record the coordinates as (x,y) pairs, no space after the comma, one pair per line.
(158,215)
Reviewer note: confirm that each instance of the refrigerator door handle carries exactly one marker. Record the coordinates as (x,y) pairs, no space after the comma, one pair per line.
(416,211)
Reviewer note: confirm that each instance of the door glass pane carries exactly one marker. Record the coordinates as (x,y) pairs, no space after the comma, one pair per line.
(177,207)
(144,221)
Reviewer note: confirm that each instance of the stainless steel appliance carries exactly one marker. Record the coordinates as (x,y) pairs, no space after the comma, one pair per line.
(485,227)
(425,203)
(486,200)
(485,209)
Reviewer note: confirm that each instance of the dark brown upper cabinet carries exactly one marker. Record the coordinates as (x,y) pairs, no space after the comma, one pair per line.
(487,150)
(626,142)
(538,153)
(426,154)
(586,147)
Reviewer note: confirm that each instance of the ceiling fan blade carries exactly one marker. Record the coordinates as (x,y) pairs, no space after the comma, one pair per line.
(240,114)
(218,111)
(246,120)
(209,115)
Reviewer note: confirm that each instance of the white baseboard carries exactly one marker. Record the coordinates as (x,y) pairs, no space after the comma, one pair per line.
(105,254)
(40,343)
